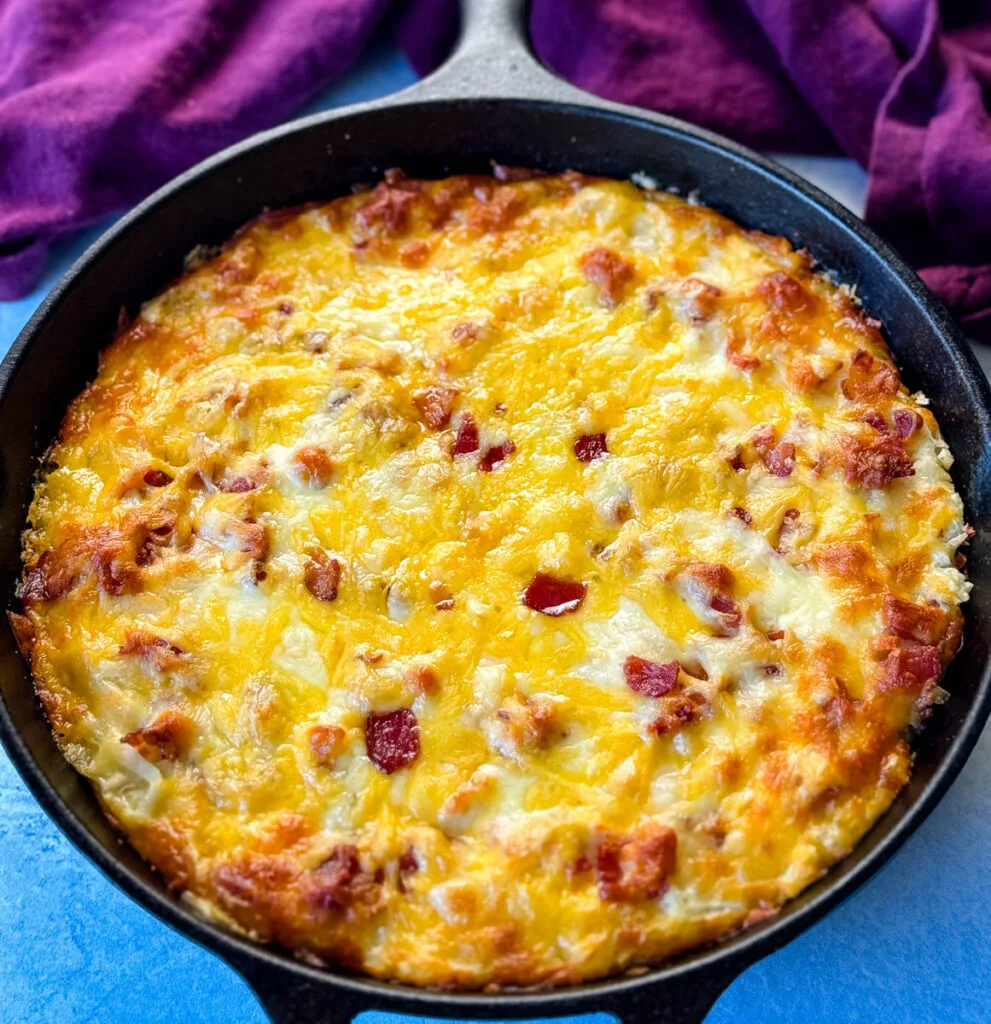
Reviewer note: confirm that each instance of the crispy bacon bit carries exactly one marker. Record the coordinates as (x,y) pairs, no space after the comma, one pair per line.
(423,679)
(48,579)
(326,742)
(493,457)
(874,462)
(783,293)
(707,589)
(392,739)
(159,652)
(869,378)
(874,419)
(680,711)
(926,624)
(742,514)
(590,447)
(913,667)
(167,738)
(441,596)
(313,466)
(340,883)
(240,264)
(609,271)
(495,211)
(907,423)
(735,353)
(648,678)
(786,532)
(636,867)
(414,254)
(388,209)
(465,334)
(735,460)
(157,478)
(501,172)
(776,634)
(702,299)
(552,596)
(23,629)
(408,863)
(778,458)
(466,440)
(435,405)
(321,574)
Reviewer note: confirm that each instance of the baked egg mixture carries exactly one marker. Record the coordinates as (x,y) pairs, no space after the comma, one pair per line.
(494,581)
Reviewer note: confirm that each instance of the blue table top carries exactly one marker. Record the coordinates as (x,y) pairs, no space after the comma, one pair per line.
(908,947)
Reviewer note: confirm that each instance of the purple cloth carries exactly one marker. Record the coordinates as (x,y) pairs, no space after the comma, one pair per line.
(102,100)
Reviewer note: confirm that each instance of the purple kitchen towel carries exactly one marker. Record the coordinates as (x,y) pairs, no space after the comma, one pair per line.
(890,83)
(102,100)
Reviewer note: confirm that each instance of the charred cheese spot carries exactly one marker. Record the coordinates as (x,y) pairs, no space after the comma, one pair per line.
(495,580)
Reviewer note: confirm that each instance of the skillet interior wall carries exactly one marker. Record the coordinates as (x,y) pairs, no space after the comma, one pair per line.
(433,139)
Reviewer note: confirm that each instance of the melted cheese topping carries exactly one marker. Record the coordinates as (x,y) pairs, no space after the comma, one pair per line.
(281,609)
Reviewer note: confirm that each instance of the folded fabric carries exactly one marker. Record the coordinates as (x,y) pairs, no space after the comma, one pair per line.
(102,100)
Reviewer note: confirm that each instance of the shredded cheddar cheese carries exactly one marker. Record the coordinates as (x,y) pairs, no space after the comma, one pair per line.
(494,581)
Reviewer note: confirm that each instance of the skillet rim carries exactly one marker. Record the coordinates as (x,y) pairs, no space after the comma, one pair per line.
(718,964)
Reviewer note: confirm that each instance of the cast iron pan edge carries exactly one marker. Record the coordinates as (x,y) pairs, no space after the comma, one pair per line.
(493,59)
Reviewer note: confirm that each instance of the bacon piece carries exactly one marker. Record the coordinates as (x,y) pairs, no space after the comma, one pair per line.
(340,883)
(735,460)
(435,405)
(495,211)
(392,739)
(679,711)
(907,423)
(313,466)
(388,209)
(493,457)
(874,462)
(778,458)
(553,596)
(466,439)
(240,264)
(423,679)
(465,334)
(635,867)
(913,667)
(648,678)
(707,588)
(869,378)
(925,624)
(158,651)
(24,633)
(737,356)
(326,742)
(590,447)
(157,477)
(788,529)
(167,738)
(783,293)
(701,299)
(414,254)
(609,271)
(441,596)
(321,574)
(742,514)
(874,419)
(48,579)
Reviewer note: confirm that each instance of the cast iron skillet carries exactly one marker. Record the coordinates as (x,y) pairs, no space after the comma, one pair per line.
(491,100)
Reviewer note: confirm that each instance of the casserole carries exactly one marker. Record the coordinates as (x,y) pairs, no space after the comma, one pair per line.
(291,165)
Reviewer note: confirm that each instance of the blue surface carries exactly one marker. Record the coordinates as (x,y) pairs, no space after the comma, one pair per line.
(912,946)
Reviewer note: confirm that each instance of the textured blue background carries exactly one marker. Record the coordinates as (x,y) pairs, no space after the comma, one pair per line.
(912,946)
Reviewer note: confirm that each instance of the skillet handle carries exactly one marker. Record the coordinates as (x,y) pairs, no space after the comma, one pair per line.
(493,57)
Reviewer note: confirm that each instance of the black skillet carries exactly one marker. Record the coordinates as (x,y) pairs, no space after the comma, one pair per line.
(492,100)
